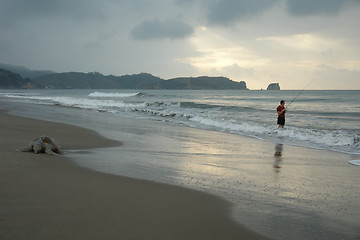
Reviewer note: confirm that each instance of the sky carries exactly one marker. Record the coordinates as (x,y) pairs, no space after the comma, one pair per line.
(296,43)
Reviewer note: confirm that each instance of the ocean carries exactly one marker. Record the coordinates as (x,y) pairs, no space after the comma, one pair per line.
(226,143)
(328,120)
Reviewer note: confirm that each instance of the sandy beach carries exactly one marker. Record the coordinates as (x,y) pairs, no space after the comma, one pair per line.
(236,182)
(49,197)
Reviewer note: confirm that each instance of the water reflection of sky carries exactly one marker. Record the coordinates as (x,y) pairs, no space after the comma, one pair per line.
(263,187)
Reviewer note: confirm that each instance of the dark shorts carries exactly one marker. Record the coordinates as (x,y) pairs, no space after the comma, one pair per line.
(281,121)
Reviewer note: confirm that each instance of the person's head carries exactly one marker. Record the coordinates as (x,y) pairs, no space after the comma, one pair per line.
(282,102)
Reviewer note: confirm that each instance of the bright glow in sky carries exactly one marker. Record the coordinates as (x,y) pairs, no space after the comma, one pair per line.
(257,41)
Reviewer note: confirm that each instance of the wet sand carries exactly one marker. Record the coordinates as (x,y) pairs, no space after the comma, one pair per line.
(49,197)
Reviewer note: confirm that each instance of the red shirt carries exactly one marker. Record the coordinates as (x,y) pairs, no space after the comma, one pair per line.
(279,109)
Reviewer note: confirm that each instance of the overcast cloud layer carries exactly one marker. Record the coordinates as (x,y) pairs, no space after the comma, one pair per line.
(258,41)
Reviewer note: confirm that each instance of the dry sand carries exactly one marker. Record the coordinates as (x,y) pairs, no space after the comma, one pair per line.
(49,197)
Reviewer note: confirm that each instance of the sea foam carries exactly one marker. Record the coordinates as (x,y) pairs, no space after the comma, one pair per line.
(304,128)
(112,94)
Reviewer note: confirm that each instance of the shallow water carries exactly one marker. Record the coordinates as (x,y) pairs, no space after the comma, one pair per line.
(327,120)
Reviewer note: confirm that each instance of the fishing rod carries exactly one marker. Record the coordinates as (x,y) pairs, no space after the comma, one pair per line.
(299,94)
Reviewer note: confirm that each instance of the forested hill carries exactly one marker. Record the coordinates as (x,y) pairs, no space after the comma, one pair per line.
(203,82)
(10,80)
(95,80)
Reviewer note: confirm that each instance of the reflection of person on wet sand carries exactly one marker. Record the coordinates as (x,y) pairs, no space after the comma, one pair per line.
(277,155)
(278,150)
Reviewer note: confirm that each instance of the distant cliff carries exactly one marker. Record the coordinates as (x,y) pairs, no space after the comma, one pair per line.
(273,86)
(95,80)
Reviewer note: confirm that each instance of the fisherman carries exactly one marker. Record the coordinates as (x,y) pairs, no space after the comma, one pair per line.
(281,114)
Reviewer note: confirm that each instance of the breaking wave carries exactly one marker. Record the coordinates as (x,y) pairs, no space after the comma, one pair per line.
(215,113)
(112,95)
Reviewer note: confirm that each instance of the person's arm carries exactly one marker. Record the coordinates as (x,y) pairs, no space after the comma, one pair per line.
(280,112)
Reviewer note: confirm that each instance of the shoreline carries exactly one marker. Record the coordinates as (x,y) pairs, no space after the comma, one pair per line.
(49,197)
(303,194)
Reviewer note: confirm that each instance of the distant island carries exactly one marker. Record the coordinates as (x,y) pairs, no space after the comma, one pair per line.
(95,80)
(273,86)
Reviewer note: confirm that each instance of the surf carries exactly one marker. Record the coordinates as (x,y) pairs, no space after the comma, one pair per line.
(112,94)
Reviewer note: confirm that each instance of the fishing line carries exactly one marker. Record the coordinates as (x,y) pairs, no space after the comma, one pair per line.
(299,94)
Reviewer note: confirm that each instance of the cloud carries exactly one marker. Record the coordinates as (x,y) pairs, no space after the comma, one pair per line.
(255,40)
(228,12)
(155,29)
(329,77)
(316,7)
(184,2)
(13,11)
(223,12)
(300,42)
